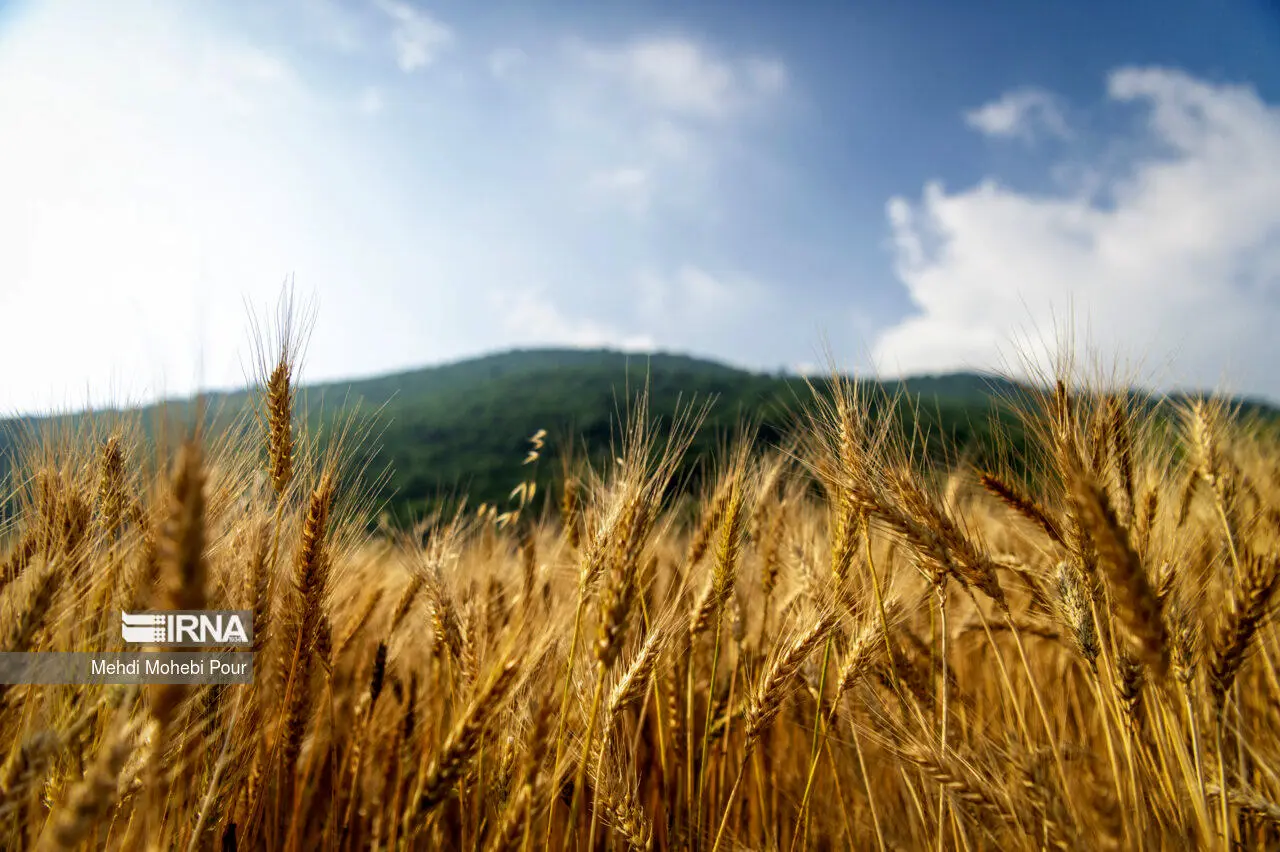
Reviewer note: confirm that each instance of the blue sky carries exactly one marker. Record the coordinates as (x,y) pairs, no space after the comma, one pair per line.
(917,186)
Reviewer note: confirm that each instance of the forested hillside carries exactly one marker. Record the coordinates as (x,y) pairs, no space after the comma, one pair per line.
(464,428)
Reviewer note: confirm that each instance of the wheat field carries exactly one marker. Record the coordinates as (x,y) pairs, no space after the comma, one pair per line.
(833,647)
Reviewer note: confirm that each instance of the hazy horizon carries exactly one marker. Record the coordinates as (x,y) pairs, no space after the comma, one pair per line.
(305,382)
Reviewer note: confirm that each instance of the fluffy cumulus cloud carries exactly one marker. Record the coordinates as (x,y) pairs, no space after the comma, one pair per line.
(1023,114)
(1171,265)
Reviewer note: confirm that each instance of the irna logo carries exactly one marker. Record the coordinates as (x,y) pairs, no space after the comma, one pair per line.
(188,627)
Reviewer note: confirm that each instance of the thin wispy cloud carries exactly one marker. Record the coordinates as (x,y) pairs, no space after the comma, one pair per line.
(532,318)
(678,75)
(718,300)
(1024,114)
(628,185)
(672,103)
(371,101)
(506,61)
(417,37)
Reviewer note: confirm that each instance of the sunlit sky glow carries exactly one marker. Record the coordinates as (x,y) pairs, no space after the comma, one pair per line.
(916,186)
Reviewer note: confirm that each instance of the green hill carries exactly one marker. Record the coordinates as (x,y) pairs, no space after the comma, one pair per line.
(463,428)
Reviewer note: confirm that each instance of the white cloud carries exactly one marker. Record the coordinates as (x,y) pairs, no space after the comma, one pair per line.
(417,37)
(504,61)
(680,76)
(1020,114)
(1180,256)
(529,317)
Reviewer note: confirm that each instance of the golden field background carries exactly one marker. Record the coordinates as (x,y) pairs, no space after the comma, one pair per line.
(836,646)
